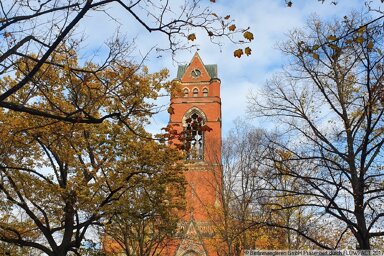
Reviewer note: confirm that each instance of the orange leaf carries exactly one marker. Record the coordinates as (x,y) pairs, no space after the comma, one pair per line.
(206,128)
(370,45)
(361,30)
(232,27)
(248,51)
(248,35)
(238,53)
(192,37)
(359,40)
(170,110)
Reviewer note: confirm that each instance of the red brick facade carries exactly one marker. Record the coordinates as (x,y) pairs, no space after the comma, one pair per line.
(200,89)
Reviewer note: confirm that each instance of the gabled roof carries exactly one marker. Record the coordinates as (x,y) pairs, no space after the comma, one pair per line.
(191,241)
(211,69)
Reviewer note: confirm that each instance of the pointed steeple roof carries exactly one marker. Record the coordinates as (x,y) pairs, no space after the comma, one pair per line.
(196,71)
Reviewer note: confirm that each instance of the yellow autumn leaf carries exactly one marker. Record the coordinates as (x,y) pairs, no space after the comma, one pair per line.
(332,38)
(334,47)
(349,41)
(315,47)
(370,45)
(191,37)
(238,53)
(359,40)
(248,35)
(361,30)
(232,27)
(248,51)
(315,56)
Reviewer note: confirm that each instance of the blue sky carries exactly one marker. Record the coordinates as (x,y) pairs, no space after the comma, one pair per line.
(269,20)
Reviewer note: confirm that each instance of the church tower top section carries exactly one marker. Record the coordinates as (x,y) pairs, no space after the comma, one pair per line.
(198,81)
(196,71)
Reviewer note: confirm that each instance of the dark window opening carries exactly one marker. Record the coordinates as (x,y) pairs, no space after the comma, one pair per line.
(194,138)
(205,92)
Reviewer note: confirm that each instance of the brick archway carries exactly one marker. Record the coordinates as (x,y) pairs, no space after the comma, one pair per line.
(194,110)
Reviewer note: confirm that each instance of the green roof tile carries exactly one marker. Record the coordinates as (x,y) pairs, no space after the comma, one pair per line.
(212,70)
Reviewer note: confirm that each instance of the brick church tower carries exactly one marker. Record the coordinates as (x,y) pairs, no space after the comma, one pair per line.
(199,105)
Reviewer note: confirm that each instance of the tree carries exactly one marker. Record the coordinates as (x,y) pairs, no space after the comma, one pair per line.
(300,225)
(12,250)
(147,216)
(250,213)
(242,151)
(74,93)
(329,103)
(39,31)
(64,178)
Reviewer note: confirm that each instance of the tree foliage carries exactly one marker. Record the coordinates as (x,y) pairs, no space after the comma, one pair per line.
(147,216)
(62,176)
(251,214)
(38,32)
(329,102)
(67,91)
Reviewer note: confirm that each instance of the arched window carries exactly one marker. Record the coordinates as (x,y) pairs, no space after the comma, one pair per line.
(186,92)
(195,92)
(205,92)
(194,135)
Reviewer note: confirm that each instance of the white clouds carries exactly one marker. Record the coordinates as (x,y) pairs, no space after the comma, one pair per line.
(234,101)
(269,20)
